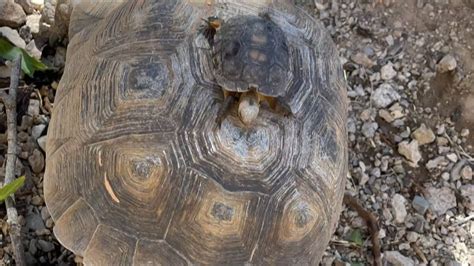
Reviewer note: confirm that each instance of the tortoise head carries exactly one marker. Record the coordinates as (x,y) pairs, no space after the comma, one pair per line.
(214,22)
(249,107)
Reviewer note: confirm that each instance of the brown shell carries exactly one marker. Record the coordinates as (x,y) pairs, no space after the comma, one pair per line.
(137,172)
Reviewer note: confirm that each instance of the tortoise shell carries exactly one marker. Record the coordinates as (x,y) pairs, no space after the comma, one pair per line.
(252,51)
(137,172)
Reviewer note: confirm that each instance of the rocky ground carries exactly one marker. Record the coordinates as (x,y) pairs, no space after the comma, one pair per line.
(409,66)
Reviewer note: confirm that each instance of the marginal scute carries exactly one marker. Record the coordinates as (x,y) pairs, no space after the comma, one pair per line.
(293,231)
(157,253)
(76,226)
(109,246)
(61,193)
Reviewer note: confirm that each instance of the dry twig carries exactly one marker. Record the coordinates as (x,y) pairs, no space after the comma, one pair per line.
(10,106)
(372,224)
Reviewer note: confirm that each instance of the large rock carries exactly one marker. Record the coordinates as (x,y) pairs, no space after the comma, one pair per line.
(13,36)
(441,199)
(33,21)
(55,19)
(423,135)
(410,150)
(362,59)
(398,205)
(448,63)
(384,96)
(30,5)
(397,259)
(11,14)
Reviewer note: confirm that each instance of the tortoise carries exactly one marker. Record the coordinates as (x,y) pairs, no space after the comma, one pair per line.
(251,60)
(137,171)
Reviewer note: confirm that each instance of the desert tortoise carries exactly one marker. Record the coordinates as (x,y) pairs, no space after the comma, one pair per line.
(138,173)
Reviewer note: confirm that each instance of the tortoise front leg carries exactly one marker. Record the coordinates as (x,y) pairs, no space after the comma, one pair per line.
(277,105)
(229,99)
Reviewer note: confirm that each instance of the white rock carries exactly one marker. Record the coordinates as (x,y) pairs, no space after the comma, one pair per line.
(412,236)
(467,191)
(398,205)
(30,5)
(387,72)
(37,3)
(466,172)
(438,161)
(452,157)
(33,22)
(384,95)
(13,36)
(423,135)
(448,63)
(410,150)
(441,199)
(464,132)
(397,259)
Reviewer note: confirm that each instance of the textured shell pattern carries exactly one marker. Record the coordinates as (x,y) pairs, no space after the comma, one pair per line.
(252,51)
(137,171)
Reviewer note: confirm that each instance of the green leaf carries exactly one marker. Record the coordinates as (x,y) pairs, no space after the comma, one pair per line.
(356,237)
(28,64)
(10,188)
(357,264)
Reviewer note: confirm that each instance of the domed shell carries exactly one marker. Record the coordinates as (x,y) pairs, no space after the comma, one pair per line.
(137,171)
(252,51)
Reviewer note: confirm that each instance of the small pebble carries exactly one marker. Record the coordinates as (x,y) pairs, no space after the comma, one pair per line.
(466,172)
(441,199)
(452,157)
(398,205)
(384,96)
(36,161)
(45,246)
(423,135)
(34,108)
(465,132)
(369,129)
(37,200)
(448,63)
(387,72)
(410,151)
(420,204)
